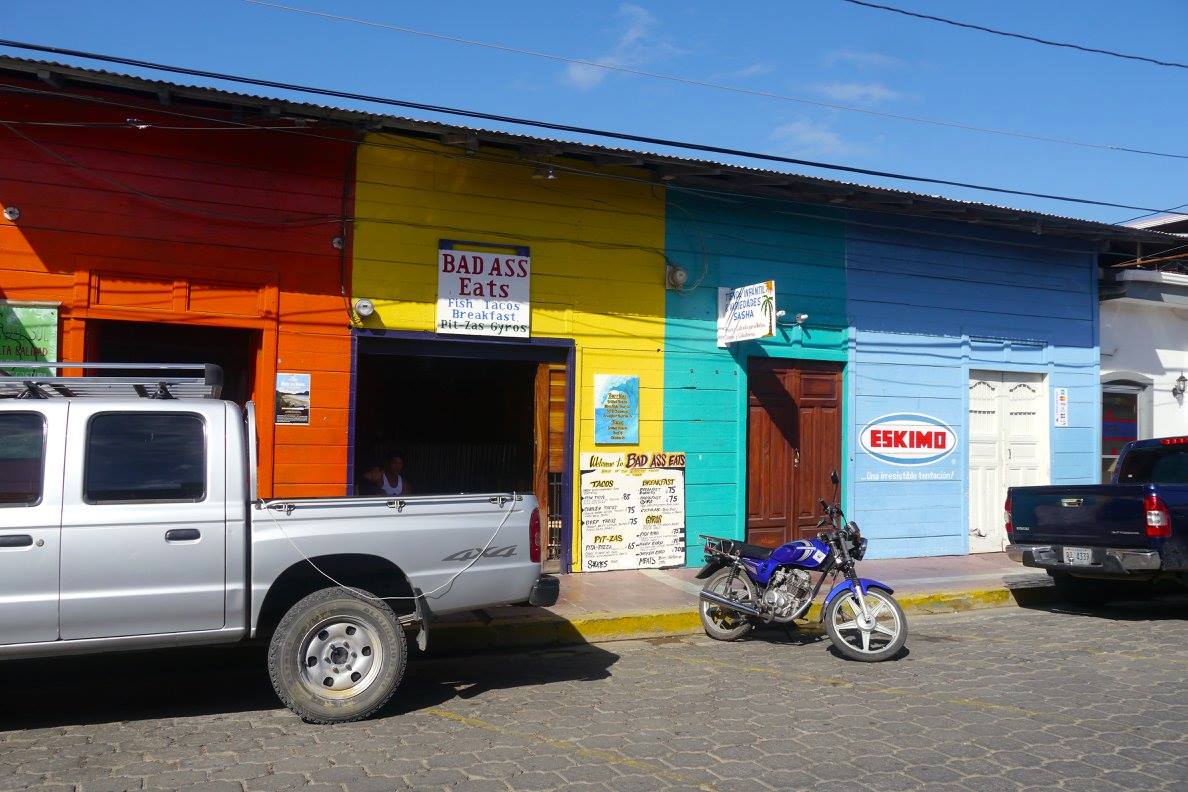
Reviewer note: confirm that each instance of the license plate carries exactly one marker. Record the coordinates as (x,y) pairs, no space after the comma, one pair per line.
(1078,556)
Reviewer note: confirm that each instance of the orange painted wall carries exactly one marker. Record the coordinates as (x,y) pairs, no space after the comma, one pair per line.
(212,227)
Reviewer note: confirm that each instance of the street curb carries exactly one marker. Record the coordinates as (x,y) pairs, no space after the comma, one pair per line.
(544,630)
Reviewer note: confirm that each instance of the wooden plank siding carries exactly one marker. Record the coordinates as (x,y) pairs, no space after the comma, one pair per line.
(597,249)
(191,227)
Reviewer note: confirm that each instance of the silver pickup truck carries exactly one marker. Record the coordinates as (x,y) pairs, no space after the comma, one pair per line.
(129,520)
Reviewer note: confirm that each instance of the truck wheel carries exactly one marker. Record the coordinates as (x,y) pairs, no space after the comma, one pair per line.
(337,657)
(1081,591)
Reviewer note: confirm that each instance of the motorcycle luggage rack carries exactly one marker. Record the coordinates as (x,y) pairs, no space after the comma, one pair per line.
(160,380)
(713,544)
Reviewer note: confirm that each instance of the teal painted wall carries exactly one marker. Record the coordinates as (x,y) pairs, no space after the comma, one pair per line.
(733,241)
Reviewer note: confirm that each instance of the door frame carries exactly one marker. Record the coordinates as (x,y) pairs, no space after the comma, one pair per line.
(428,344)
(742,353)
(1043,370)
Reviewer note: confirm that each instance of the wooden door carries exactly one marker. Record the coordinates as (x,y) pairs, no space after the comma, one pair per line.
(549,458)
(793,444)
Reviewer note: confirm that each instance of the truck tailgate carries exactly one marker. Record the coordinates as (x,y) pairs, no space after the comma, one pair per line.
(1107,515)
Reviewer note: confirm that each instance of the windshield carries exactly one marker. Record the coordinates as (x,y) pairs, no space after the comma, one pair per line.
(1159,465)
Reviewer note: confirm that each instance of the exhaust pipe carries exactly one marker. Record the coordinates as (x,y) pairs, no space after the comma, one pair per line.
(718,599)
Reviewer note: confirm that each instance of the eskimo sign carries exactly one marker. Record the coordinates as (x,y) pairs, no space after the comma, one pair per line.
(908,439)
(483,294)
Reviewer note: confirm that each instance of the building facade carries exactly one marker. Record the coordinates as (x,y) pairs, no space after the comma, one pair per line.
(176,240)
(486,312)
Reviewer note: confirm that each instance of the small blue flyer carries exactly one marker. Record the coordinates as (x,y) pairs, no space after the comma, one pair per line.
(616,409)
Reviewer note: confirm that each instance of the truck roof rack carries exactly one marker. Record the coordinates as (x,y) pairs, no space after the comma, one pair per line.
(159,381)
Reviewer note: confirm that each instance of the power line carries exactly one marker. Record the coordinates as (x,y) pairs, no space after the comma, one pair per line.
(593,132)
(715,85)
(1022,36)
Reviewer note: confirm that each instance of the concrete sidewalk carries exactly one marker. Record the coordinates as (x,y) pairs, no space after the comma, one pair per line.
(604,606)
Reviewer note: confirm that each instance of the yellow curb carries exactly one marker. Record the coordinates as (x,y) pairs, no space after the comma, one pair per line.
(552,630)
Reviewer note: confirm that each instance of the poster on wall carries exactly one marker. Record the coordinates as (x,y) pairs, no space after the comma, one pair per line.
(484,294)
(746,313)
(28,331)
(909,446)
(633,511)
(616,409)
(292,398)
(1061,414)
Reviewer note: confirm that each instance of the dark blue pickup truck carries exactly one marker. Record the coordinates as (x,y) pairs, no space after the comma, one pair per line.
(1133,529)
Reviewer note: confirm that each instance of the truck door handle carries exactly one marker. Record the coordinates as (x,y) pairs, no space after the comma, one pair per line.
(16,540)
(182,535)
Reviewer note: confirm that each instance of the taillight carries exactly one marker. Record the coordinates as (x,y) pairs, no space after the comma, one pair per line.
(1174,441)
(1158,517)
(1010,526)
(534,536)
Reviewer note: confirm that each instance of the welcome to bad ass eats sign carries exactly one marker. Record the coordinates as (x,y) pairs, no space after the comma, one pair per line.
(485,294)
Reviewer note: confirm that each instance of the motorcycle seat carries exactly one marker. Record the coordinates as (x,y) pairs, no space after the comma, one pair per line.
(746,550)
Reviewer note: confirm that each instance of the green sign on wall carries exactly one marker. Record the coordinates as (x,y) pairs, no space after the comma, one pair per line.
(28,332)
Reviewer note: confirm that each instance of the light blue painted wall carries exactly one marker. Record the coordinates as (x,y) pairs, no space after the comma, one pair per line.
(927,303)
(734,241)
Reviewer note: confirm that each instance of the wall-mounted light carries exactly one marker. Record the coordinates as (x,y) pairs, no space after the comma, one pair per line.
(801,318)
(337,243)
(1180,386)
(544,172)
(12,214)
(364,307)
(675,277)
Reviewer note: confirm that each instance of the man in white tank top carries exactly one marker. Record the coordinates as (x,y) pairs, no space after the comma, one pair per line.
(393,482)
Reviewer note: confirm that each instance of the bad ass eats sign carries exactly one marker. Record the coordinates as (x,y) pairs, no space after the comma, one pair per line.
(484,294)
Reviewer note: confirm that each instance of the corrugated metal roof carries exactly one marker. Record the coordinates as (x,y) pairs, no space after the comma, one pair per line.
(789,185)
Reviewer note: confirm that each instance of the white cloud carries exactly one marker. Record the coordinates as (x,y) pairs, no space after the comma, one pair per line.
(754,70)
(868,93)
(863,59)
(636,45)
(809,138)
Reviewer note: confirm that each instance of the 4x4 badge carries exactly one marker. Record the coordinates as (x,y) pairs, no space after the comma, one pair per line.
(475,552)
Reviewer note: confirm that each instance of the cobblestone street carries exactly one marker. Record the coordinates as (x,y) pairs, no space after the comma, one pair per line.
(998,699)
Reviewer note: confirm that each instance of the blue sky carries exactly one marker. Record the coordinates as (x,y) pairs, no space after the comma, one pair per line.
(824,50)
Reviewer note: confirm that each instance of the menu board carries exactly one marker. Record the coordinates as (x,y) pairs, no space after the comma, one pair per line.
(633,511)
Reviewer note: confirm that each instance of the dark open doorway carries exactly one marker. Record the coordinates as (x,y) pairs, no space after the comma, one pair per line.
(461,425)
(150,342)
(470,416)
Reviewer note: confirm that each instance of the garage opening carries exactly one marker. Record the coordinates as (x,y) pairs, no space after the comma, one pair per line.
(152,342)
(466,417)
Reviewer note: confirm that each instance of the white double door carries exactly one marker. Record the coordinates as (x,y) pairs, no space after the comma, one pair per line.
(1008,447)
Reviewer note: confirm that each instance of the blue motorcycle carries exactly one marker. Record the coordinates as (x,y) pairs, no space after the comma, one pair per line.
(749,585)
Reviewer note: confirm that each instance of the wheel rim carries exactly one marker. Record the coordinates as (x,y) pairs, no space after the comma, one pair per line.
(867,637)
(732,587)
(340,657)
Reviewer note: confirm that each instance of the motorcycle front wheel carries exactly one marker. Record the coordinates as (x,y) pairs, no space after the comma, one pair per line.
(720,622)
(881,638)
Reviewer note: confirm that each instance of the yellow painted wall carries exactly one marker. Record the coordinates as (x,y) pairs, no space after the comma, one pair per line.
(597,257)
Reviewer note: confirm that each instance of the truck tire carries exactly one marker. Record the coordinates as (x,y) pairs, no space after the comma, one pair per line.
(1083,592)
(337,656)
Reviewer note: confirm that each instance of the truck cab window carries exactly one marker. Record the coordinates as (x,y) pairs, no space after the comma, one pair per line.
(22,457)
(1160,465)
(139,456)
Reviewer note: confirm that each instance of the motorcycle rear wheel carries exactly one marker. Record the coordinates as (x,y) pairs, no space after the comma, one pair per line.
(884,636)
(721,623)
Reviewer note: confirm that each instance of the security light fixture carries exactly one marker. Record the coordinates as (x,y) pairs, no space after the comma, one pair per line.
(364,307)
(12,214)
(801,318)
(675,277)
(1180,386)
(544,172)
